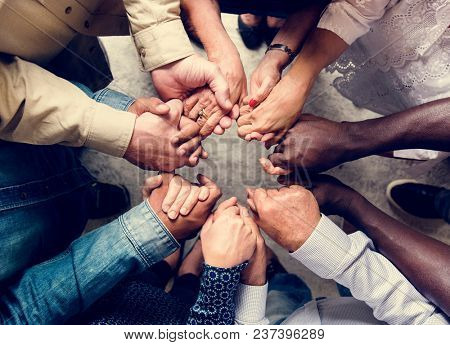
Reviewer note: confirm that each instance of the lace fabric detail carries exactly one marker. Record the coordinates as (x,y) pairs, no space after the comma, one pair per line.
(403,61)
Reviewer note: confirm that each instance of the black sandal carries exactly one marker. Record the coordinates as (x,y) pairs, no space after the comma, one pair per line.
(253,36)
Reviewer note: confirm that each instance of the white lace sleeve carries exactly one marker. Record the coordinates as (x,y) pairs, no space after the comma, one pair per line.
(351,19)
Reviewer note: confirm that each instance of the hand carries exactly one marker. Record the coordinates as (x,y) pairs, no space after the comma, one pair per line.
(332,195)
(315,144)
(266,75)
(180,78)
(182,227)
(215,121)
(255,274)
(229,236)
(275,116)
(149,105)
(181,196)
(288,215)
(151,145)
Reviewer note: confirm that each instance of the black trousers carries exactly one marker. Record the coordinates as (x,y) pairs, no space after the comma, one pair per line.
(273,8)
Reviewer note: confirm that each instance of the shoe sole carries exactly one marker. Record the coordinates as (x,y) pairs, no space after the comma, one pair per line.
(392,202)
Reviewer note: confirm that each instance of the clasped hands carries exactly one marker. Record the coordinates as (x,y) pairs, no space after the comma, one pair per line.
(230,235)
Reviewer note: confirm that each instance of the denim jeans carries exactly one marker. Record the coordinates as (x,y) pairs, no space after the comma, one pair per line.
(46,274)
(286,293)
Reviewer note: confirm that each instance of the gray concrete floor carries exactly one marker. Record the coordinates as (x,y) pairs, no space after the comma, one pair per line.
(233,162)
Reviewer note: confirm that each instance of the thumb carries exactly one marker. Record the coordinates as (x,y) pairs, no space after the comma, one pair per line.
(176,109)
(218,84)
(151,183)
(149,105)
(263,91)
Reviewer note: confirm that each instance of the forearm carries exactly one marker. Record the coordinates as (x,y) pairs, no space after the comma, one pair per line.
(215,303)
(56,290)
(422,259)
(426,126)
(351,261)
(40,108)
(295,30)
(320,49)
(202,18)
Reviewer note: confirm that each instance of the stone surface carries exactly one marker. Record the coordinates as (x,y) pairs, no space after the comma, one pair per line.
(233,162)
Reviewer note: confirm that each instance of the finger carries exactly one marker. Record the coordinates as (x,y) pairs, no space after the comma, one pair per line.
(235,112)
(189,147)
(248,220)
(172,193)
(278,160)
(150,184)
(153,105)
(188,131)
(176,108)
(259,197)
(190,103)
(214,190)
(244,120)
(263,91)
(194,158)
(204,193)
(278,136)
(244,130)
(201,105)
(226,204)
(255,136)
(183,194)
(204,154)
(211,123)
(190,201)
(225,122)
(270,169)
(218,130)
(267,137)
(219,85)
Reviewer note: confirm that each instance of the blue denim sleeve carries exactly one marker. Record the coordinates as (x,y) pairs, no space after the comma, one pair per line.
(59,288)
(215,303)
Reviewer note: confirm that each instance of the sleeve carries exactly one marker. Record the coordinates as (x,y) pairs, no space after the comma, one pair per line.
(158,32)
(351,19)
(39,108)
(55,290)
(351,261)
(215,303)
(251,305)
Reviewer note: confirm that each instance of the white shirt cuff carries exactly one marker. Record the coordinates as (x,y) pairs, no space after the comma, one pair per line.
(325,250)
(251,305)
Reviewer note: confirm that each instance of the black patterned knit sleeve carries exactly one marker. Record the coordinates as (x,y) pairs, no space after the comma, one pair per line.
(215,303)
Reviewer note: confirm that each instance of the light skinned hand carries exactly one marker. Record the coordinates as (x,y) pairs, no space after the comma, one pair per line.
(180,78)
(229,238)
(184,226)
(288,215)
(275,115)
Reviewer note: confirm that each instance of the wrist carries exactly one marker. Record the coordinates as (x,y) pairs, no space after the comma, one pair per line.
(276,59)
(223,51)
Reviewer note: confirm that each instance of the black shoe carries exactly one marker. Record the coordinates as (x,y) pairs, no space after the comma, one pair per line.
(252,36)
(414,198)
(106,200)
(269,35)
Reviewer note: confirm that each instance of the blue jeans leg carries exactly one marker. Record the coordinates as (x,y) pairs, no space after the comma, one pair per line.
(287,292)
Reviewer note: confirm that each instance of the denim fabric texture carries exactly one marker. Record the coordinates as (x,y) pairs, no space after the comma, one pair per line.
(48,275)
(287,292)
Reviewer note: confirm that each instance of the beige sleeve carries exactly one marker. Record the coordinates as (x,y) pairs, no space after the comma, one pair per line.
(158,32)
(39,108)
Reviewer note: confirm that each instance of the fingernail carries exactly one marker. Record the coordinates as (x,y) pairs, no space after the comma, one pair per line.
(252,103)
(165,208)
(228,104)
(172,215)
(182,152)
(183,211)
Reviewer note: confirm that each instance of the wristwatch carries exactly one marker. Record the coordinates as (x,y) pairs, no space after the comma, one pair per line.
(283,48)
